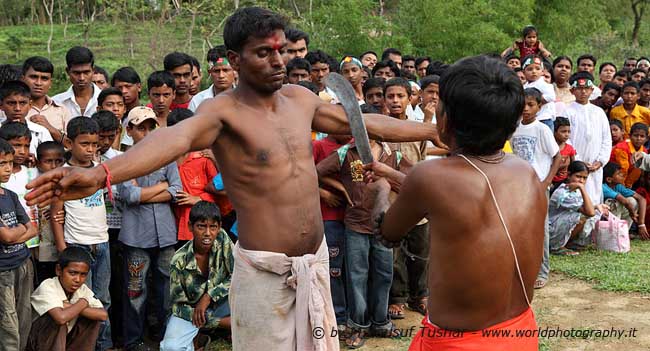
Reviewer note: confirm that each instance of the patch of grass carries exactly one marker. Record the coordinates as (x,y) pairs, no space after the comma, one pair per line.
(610,271)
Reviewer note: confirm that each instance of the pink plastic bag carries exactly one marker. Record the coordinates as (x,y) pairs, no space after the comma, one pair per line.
(612,235)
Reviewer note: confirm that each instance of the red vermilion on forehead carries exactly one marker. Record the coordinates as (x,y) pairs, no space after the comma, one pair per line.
(274,41)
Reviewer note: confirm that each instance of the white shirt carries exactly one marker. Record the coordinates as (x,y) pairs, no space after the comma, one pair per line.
(85,219)
(50,294)
(69,101)
(591,137)
(547,111)
(198,98)
(596,93)
(534,142)
(40,135)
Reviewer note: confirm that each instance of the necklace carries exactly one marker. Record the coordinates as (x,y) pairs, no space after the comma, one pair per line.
(492,159)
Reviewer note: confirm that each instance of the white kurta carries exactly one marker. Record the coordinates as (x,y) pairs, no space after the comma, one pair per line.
(591,138)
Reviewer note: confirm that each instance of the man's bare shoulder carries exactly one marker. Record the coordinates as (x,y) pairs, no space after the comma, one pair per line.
(298,91)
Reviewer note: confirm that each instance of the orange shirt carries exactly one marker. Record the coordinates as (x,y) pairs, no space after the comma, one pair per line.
(196,171)
(622,155)
(639,114)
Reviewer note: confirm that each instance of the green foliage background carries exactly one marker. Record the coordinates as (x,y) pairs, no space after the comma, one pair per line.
(139,32)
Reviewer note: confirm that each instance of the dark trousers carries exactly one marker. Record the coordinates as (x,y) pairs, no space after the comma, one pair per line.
(410,267)
(335,238)
(47,335)
(116,286)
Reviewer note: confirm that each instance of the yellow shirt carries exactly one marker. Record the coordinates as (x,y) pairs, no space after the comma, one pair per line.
(639,114)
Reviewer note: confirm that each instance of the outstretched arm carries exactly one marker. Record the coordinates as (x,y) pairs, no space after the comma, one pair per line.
(158,149)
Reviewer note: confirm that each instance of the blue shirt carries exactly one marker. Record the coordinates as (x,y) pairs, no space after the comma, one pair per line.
(609,193)
(147,225)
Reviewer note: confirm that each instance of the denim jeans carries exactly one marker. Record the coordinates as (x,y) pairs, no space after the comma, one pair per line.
(410,267)
(98,281)
(138,264)
(335,238)
(369,267)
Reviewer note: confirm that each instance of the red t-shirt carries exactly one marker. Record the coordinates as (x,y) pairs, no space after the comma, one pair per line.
(196,171)
(525,51)
(174,106)
(568,151)
(322,149)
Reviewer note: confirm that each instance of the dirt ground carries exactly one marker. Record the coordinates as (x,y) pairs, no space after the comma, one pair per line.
(567,303)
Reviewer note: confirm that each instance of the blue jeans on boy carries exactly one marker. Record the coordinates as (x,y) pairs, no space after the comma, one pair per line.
(98,280)
(369,266)
(138,263)
(335,238)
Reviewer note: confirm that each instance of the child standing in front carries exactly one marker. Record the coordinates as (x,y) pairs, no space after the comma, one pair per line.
(533,67)
(534,142)
(623,151)
(16,270)
(85,219)
(567,152)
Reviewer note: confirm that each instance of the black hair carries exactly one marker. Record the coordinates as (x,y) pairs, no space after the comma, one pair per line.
(333,63)
(81,125)
(309,85)
(79,55)
(605,64)
(622,73)
(38,64)
(216,52)
(108,92)
(518,69)
(293,35)
(373,82)
(387,63)
(547,65)
(408,75)
(632,84)
(609,170)
(106,121)
(399,82)
(483,100)
(421,59)
(368,52)
(510,57)
(176,59)
(14,87)
(160,78)
(367,108)
(637,70)
(560,122)
(249,22)
(614,86)
(534,93)
(580,75)
(317,56)
(298,63)
(408,58)
(561,58)
(577,166)
(630,58)
(527,30)
(5,147)
(389,51)
(367,70)
(616,122)
(15,130)
(639,126)
(205,211)
(586,57)
(177,115)
(73,254)
(99,70)
(195,63)
(643,82)
(428,80)
(49,146)
(126,74)
(437,68)
(10,72)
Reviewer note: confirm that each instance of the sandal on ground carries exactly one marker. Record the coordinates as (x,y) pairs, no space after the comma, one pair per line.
(396,311)
(391,332)
(355,340)
(343,332)
(563,251)
(419,305)
(202,342)
(540,283)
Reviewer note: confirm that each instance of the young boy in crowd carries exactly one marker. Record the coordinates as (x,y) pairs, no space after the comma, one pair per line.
(199,281)
(623,151)
(221,74)
(111,99)
(148,235)
(196,172)
(49,155)
(611,94)
(298,70)
(161,88)
(644,93)
(367,260)
(85,219)
(100,78)
(373,93)
(127,80)
(68,314)
(567,152)
(15,103)
(534,143)
(16,269)
(179,66)
(533,70)
(622,201)
(630,112)
(81,98)
(350,68)
(37,74)
(616,130)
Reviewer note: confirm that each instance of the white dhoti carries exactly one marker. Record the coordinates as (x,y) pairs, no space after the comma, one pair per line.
(282,303)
